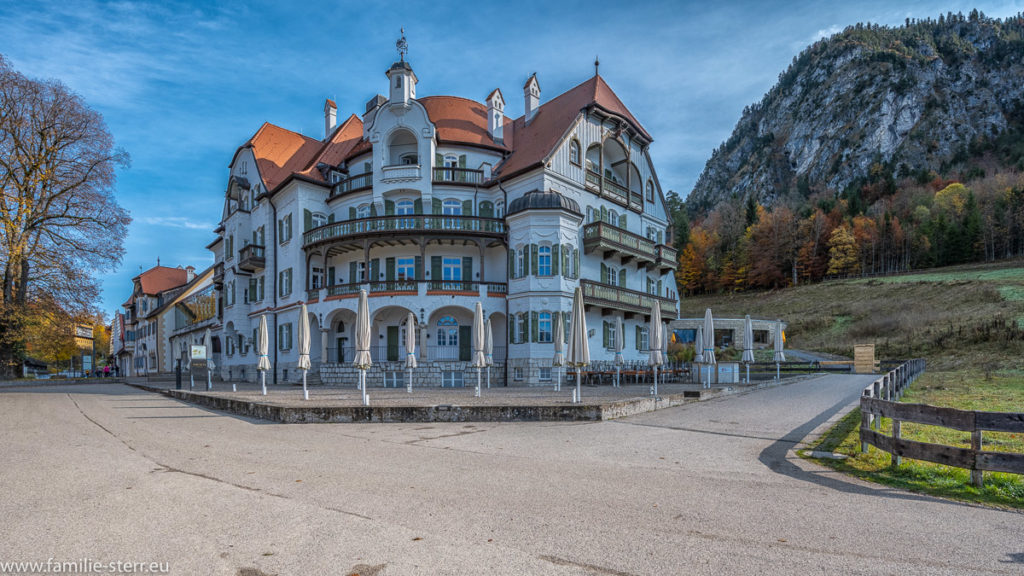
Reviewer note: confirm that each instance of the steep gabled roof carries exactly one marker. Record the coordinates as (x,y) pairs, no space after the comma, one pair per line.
(461,121)
(536,140)
(160,278)
(280,153)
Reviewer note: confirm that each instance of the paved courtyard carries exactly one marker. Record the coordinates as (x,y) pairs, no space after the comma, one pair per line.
(109,472)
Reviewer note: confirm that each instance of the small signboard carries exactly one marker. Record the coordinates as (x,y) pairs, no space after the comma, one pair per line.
(86,362)
(198,353)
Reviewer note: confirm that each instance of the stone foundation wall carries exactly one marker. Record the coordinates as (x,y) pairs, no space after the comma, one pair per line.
(530,369)
(428,374)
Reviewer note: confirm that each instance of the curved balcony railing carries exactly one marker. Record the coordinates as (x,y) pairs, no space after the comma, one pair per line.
(608,296)
(400,172)
(423,287)
(352,184)
(413,223)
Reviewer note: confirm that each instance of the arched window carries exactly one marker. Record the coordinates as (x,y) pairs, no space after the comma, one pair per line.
(318,219)
(544,327)
(451,207)
(650,191)
(574,152)
(447,332)
(363,211)
(613,217)
(544,261)
(405,207)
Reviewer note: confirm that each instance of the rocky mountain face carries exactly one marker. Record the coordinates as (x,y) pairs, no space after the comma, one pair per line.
(874,101)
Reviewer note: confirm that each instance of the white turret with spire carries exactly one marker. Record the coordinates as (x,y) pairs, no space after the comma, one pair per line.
(403,80)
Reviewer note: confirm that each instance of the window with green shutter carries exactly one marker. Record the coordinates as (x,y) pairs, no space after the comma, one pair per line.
(419,268)
(307,220)
(534,326)
(467,269)
(351,212)
(389,269)
(435,268)
(373,208)
(622,221)
(637,341)
(486,209)
(330,276)
(352,267)
(438,159)
(375,270)
(533,259)
(604,334)
(622,278)
(435,205)
(575,263)
(417,206)
(465,343)
(555,251)
(467,207)
(389,208)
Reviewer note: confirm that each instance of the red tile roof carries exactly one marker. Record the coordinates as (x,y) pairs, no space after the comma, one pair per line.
(282,154)
(160,278)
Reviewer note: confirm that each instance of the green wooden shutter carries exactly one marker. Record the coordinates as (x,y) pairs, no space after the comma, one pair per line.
(375,270)
(392,343)
(622,221)
(622,278)
(330,276)
(465,342)
(351,212)
(307,220)
(352,273)
(637,342)
(604,273)
(435,269)
(467,207)
(533,258)
(389,269)
(604,214)
(512,331)
(555,251)
(575,262)
(389,208)
(435,205)
(567,316)
(438,159)
(511,257)
(485,209)
(288,227)
(564,257)
(419,268)
(330,218)
(659,287)
(373,208)
(280,230)
(534,326)
(526,261)
(604,334)
(252,290)
(462,160)
(417,205)
(467,269)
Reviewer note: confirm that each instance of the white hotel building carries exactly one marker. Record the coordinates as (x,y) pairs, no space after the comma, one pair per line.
(432,204)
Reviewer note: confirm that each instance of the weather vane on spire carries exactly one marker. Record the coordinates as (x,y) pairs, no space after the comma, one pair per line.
(597,63)
(402,45)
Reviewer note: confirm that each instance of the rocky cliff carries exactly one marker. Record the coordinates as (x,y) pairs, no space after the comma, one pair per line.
(874,101)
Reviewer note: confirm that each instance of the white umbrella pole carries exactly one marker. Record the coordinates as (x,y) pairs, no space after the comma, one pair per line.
(488,377)
(305,391)
(748,373)
(477,381)
(777,374)
(263,381)
(362,385)
(234,387)
(578,377)
(409,381)
(191,379)
(209,380)
(617,383)
(655,380)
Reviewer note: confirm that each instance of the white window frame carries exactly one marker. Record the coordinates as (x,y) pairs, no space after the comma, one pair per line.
(542,268)
(405,268)
(544,334)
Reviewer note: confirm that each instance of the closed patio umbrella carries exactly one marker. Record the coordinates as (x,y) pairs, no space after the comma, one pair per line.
(262,349)
(410,348)
(578,354)
(654,343)
(303,342)
(748,344)
(559,358)
(709,342)
(208,343)
(698,353)
(362,359)
(489,348)
(620,337)
(479,360)
(779,355)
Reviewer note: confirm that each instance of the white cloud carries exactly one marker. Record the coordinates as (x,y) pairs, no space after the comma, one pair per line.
(176,222)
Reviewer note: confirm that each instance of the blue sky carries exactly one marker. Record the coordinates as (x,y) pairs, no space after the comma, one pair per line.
(182,84)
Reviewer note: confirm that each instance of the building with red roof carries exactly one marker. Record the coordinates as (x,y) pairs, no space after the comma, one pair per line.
(432,204)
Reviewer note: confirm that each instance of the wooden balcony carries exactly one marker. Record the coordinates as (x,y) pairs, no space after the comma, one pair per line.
(458,176)
(252,258)
(218,275)
(354,183)
(612,240)
(616,298)
(412,225)
(668,258)
(420,287)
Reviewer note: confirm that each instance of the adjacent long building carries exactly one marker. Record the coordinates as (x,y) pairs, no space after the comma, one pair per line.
(432,204)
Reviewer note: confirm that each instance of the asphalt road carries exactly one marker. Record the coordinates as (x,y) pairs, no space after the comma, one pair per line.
(107,472)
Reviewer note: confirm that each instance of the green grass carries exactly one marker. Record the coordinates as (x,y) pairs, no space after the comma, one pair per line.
(958,317)
(965,389)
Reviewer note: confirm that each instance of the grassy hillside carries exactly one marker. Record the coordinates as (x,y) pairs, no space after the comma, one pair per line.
(958,317)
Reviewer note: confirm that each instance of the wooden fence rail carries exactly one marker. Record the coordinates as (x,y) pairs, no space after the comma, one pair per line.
(881,400)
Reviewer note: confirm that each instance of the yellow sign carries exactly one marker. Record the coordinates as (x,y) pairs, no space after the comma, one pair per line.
(199,352)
